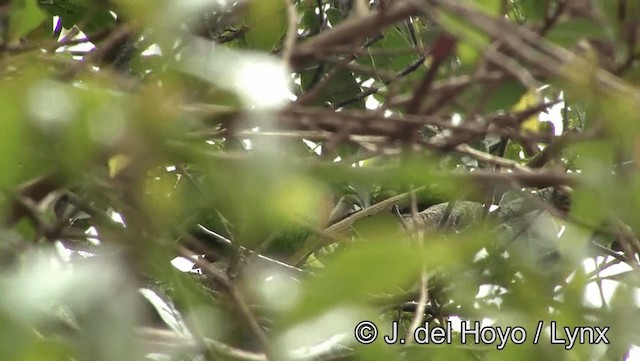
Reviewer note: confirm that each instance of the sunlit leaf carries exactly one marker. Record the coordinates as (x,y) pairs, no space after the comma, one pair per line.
(491,7)
(360,272)
(267,21)
(464,31)
(90,15)
(25,16)
(527,101)
(533,9)
(568,33)
(505,95)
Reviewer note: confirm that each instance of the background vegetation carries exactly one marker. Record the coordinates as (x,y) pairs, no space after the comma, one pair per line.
(246,180)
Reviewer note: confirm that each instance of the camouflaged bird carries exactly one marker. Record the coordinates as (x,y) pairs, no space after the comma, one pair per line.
(522,227)
(461,215)
(464,213)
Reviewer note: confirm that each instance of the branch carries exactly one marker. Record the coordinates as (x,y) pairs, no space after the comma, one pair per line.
(312,244)
(343,33)
(34,190)
(237,297)
(534,49)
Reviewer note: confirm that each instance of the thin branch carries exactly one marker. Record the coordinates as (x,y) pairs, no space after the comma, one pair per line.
(415,65)
(490,158)
(99,52)
(531,47)
(442,49)
(236,296)
(292,28)
(171,340)
(337,229)
(343,33)
(421,305)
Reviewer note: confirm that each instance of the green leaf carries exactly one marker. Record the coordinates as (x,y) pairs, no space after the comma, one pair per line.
(589,203)
(334,15)
(311,21)
(17,337)
(13,131)
(393,38)
(513,151)
(344,86)
(505,95)
(25,16)
(490,7)
(368,268)
(611,10)
(533,9)
(568,33)
(459,28)
(267,21)
(91,15)
(468,54)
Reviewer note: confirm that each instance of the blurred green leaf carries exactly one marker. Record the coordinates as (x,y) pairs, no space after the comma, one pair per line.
(310,20)
(368,268)
(14,132)
(394,38)
(87,14)
(533,9)
(505,95)
(568,33)
(208,133)
(25,16)
(463,31)
(334,15)
(267,21)
(490,7)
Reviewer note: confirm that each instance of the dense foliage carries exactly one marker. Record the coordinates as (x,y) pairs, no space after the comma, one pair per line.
(252,179)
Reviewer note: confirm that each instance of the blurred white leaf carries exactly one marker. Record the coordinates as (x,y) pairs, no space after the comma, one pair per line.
(261,81)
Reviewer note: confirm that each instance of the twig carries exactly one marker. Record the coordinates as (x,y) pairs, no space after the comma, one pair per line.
(441,50)
(155,337)
(292,28)
(510,66)
(415,65)
(341,34)
(421,305)
(100,51)
(490,158)
(34,190)
(536,50)
(236,296)
(335,230)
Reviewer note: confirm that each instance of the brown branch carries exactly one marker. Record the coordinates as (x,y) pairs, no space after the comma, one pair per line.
(310,95)
(362,122)
(34,190)
(539,179)
(112,41)
(423,297)
(343,33)
(334,231)
(321,123)
(531,47)
(171,340)
(490,158)
(235,294)
(442,49)
(292,27)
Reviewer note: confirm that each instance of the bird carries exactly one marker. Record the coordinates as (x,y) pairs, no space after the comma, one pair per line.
(520,226)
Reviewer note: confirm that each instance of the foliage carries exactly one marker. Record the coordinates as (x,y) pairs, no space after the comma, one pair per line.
(316,164)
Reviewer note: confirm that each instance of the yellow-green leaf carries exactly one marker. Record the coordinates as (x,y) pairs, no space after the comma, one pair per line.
(25,16)
(267,21)
(528,100)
